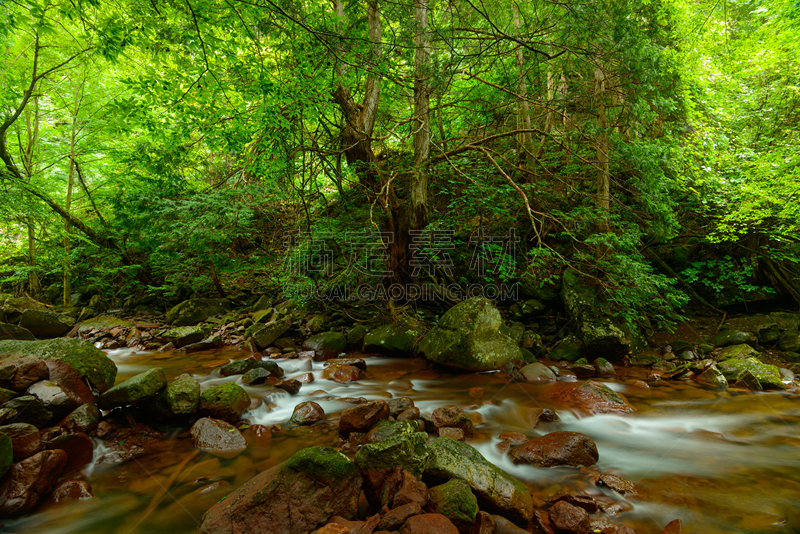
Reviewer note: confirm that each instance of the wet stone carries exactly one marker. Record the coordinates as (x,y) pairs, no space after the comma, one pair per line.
(307,413)
(567,518)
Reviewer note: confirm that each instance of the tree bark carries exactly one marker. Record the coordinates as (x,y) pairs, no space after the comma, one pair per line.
(523,106)
(603,173)
(418,216)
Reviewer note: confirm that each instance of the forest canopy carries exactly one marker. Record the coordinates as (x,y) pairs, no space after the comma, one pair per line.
(153,151)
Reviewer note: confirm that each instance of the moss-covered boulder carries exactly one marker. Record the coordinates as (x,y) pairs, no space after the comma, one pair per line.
(386,429)
(569,349)
(6,395)
(137,388)
(226,401)
(409,451)
(496,490)
(726,338)
(12,331)
(455,501)
(265,334)
(392,339)
(768,375)
(182,336)
(738,352)
(6,454)
(326,345)
(240,367)
(46,324)
(468,337)
(102,322)
(89,361)
(193,311)
(789,342)
(713,377)
(299,496)
(356,335)
(13,308)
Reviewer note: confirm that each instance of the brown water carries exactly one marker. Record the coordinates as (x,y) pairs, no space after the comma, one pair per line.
(722,462)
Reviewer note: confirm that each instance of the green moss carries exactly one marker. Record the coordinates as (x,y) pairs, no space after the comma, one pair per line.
(321,463)
(407,450)
(455,501)
(139,387)
(768,375)
(226,401)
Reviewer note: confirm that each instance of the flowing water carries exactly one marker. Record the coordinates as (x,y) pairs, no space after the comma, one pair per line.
(722,462)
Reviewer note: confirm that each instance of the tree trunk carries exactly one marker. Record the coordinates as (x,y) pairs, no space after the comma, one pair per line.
(418,216)
(34,288)
(603,173)
(523,106)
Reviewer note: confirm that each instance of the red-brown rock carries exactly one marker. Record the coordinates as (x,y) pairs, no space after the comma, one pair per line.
(334,528)
(581,500)
(449,416)
(411,414)
(354,362)
(451,432)
(557,448)
(396,518)
(360,418)
(83,419)
(72,490)
(399,405)
(25,440)
(28,372)
(343,374)
(78,448)
(620,485)
(567,518)
(504,526)
(29,482)
(70,381)
(307,413)
(590,397)
(218,437)
(428,524)
(673,527)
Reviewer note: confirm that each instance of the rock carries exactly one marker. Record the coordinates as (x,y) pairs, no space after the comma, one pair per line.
(78,447)
(133,390)
(557,448)
(768,375)
(450,416)
(217,437)
(71,383)
(90,362)
(299,496)
(673,527)
(525,310)
(182,336)
(569,349)
(620,485)
(583,370)
(412,414)
(360,418)
(495,489)
(537,373)
(399,405)
(334,528)
(326,345)
(24,438)
(103,322)
(747,380)
(21,374)
(6,395)
(504,526)
(307,413)
(737,352)
(6,454)
(207,343)
(291,386)
(590,397)
(72,490)
(193,311)
(242,366)
(789,342)
(451,432)
(407,451)
(30,410)
(226,401)
(713,377)
(395,518)
(428,524)
(567,518)
(604,368)
(317,322)
(393,339)
(29,482)
(12,331)
(255,376)
(343,374)
(468,337)
(580,500)
(355,362)
(266,334)
(84,419)
(644,360)
(726,338)
(13,308)
(355,337)
(454,500)
(386,429)
(46,324)
(183,395)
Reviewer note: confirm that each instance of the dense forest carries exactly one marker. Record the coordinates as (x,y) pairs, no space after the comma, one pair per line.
(157,151)
(399,267)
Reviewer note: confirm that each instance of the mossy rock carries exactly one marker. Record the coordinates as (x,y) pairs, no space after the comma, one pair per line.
(6,395)
(410,451)
(392,339)
(385,430)
(569,349)
(193,311)
(46,323)
(103,322)
(265,334)
(454,500)
(726,338)
(322,463)
(242,366)
(738,352)
(135,389)
(644,360)
(768,375)
(326,345)
(12,331)
(496,490)
(226,401)
(261,316)
(89,361)
(182,336)
(355,337)
(6,454)
(713,377)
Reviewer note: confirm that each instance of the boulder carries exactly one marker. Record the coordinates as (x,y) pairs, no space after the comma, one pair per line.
(317,322)
(396,518)
(361,417)
(217,437)
(590,397)
(569,349)
(450,416)
(307,413)
(726,338)
(713,377)
(53,397)
(537,373)
(525,310)
(13,308)
(183,395)
(265,334)
(30,481)
(6,454)
(12,331)
(355,337)
(768,375)
(30,410)
(468,337)
(454,500)
(135,389)
(89,361)
(78,447)
(6,395)
(428,524)
(20,374)
(343,374)
(604,368)
(226,401)
(495,489)
(557,448)
(789,342)
(103,322)
(386,429)
(193,311)
(297,497)
(326,345)
(406,451)
(46,324)
(182,336)
(72,490)
(242,366)
(737,352)
(393,339)
(24,438)
(84,419)
(567,518)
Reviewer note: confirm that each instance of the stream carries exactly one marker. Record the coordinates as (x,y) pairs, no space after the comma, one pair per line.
(722,462)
